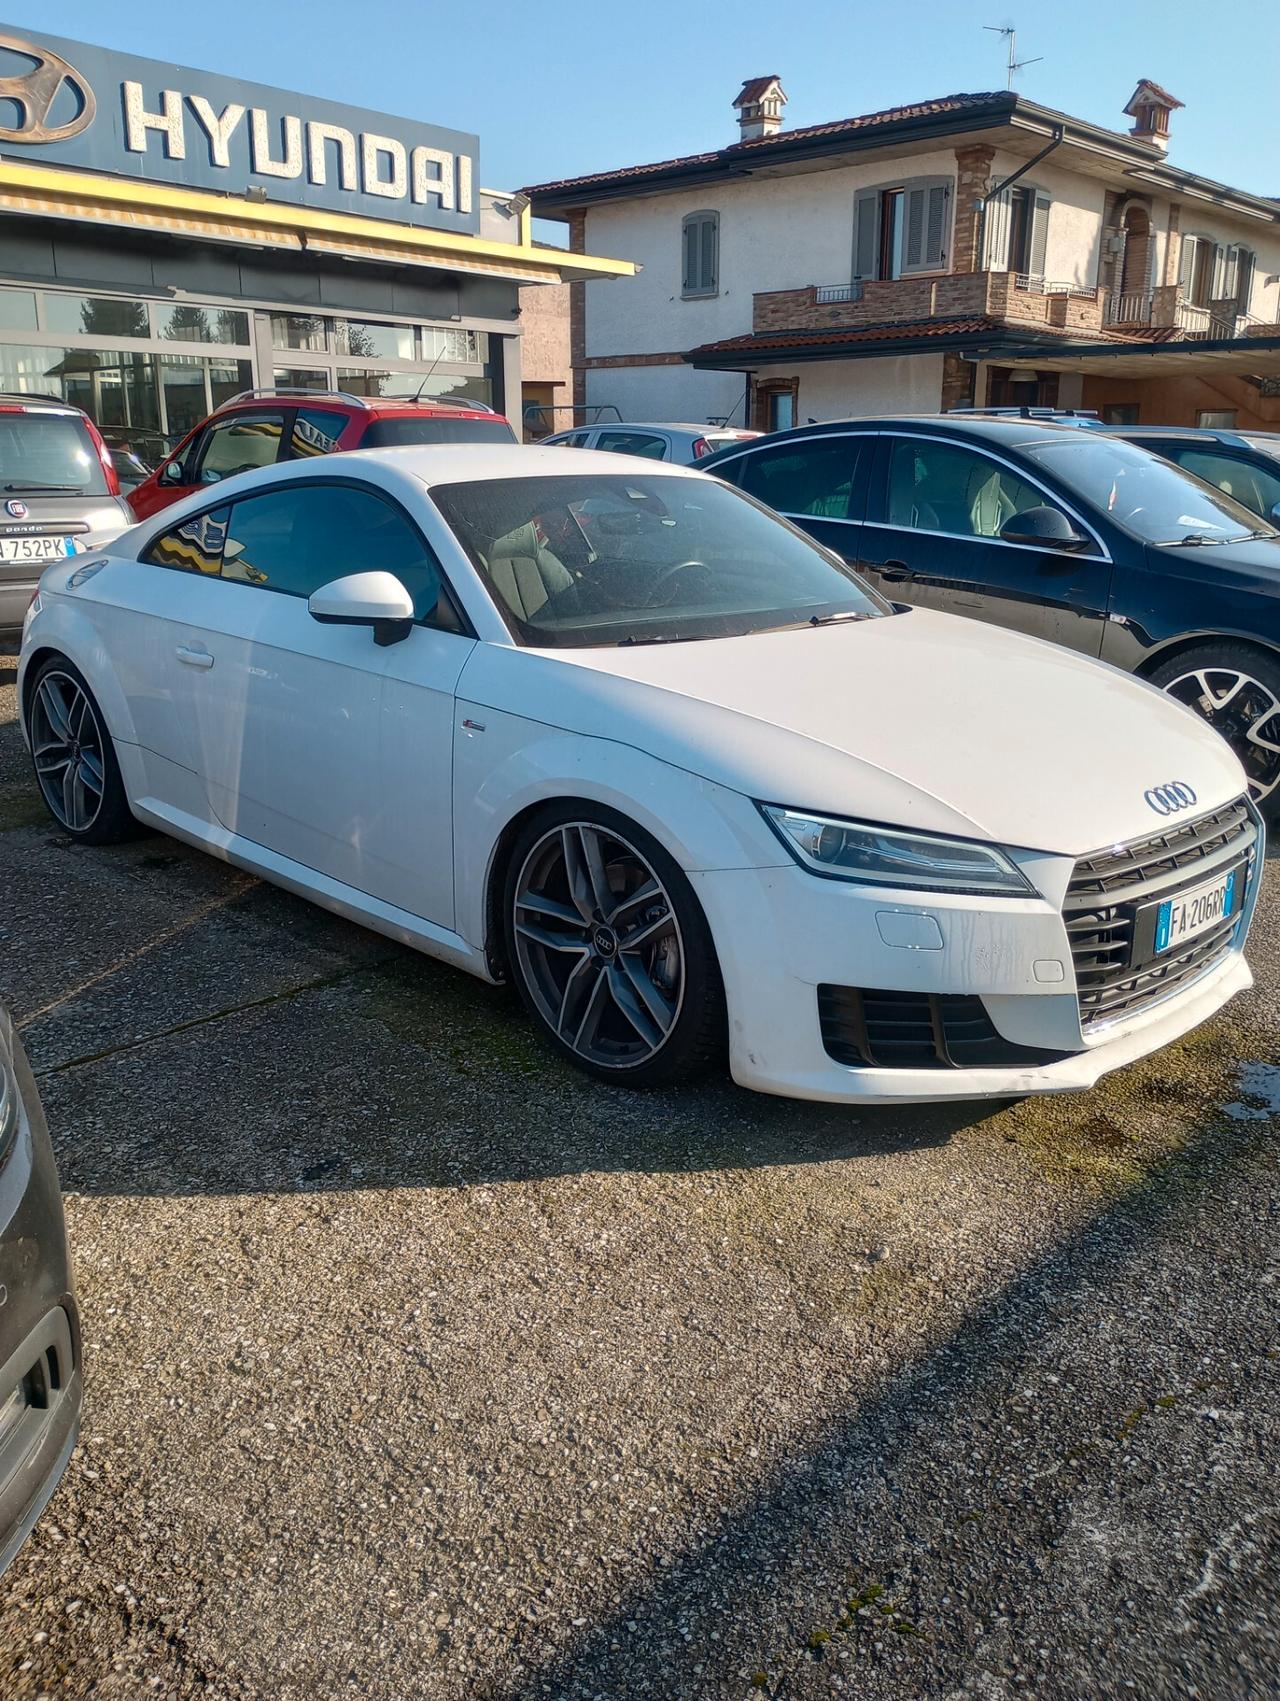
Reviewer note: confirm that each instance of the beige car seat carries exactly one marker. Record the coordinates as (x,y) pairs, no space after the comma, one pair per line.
(525,573)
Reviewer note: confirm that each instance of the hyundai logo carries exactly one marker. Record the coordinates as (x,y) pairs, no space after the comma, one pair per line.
(16,510)
(35,91)
(1169,798)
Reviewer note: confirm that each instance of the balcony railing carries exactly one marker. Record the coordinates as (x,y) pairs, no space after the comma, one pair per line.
(1031,283)
(1133,307)
(824,293)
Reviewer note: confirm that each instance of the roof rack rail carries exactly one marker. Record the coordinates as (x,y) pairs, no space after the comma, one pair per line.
(293,390)
(1023,411)
(36,396)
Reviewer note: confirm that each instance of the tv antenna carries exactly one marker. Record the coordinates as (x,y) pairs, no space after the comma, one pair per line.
(1011,36)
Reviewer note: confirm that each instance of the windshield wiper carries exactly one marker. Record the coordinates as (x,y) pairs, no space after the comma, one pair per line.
(674,638)
(1195,540)
(71,489)
(846,614)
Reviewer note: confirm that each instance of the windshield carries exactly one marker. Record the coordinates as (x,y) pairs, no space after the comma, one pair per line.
(48,452)
(1149,497)
(608,559)
(388,433)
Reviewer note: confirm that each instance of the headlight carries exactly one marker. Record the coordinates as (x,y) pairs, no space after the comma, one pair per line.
(887,856)
(8,1094)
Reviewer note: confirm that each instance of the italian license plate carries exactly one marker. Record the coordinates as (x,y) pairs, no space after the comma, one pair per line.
(1190,913)
(36,549)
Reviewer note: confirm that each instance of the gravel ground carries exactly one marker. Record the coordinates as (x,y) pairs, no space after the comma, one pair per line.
(418,1366)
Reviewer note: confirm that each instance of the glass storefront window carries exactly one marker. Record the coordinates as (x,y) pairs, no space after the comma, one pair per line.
(360,382)
(184,397)
(368,341)
(17,310)
(120,387)
(461,348)
(188,322)
(96,315)
(299,331)
(228,378)
(301,378)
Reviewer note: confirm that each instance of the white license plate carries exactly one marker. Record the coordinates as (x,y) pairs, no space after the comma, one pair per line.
(37,550)
(1194,912)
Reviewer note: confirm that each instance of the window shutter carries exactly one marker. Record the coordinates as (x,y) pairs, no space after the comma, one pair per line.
(1039,234)
(999,214)
(689,281)
(1221,263)
(926,214)
(866,233)
(1243,291)
(935,241)
(707,268)
(700,253)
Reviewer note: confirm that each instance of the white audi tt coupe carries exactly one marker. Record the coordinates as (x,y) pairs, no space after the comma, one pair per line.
(619,734)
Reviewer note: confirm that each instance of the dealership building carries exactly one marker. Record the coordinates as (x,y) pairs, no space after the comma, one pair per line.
(170,237)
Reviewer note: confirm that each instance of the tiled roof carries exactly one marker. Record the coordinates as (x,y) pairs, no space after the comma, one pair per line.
(853,337)
(1146,86)
(754,87)
(725,156)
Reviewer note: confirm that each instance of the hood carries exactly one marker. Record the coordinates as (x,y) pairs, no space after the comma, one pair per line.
(921,719)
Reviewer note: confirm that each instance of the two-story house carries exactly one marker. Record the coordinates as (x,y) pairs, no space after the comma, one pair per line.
(969,250)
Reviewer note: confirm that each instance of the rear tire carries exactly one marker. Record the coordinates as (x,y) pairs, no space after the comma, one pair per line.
(609,949)
(1236,689)
(74,757)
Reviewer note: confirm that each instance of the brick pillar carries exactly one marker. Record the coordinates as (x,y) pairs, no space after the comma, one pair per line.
(973,179)
(957,382)
(578,316)
(1173,247)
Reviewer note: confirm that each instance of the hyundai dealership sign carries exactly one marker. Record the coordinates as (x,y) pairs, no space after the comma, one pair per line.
(65,103)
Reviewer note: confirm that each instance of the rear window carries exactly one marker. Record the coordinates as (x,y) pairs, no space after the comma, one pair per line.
(389,433)
(48,452)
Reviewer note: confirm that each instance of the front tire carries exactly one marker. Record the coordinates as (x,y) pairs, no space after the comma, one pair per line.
(74,758)
(1237,690)
(609,949)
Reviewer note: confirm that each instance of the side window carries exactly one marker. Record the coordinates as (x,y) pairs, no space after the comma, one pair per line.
(815,478)
(195,545)
(1257,487)
(633,443)
(939,487)
(700,253)
(315,432)
(236,445)
(300,537)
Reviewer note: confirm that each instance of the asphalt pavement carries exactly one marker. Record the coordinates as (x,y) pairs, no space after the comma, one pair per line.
(420,1366)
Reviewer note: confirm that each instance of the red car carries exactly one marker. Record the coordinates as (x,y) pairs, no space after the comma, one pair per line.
(260,427)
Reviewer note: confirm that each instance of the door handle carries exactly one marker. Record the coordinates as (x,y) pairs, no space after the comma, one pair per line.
(895,571)
(194,658)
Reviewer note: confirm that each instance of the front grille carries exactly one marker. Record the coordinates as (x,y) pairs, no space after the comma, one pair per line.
(1116,974)
(863,1028)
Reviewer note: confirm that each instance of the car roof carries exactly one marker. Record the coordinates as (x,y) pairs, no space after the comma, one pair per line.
(364,407)
(1004,431)
(454,463)
(30,403)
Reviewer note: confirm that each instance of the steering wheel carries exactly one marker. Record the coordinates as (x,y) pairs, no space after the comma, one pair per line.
(664,582)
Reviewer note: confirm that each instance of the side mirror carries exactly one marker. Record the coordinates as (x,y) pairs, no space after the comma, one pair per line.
(1274,515)
(1043,528)
(170,473)
(365,599)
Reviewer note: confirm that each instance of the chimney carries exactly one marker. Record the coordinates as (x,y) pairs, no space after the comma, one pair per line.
(759,108)
(1149,107)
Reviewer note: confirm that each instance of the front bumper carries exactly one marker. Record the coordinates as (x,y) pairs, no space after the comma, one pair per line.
(781,933)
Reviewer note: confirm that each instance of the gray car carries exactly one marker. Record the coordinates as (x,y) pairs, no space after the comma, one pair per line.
(59,494)
(683,444)
(40,1373)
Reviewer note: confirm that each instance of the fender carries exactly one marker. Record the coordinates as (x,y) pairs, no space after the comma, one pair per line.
(63,625)
(499,773)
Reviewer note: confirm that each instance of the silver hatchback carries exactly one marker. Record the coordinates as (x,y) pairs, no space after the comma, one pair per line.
(59,495)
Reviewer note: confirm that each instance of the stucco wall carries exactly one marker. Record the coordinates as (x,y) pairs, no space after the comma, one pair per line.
(668,394)
(853,389)
(775,233)
(544,326)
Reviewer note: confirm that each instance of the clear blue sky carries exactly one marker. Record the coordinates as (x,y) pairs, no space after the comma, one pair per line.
(557,87)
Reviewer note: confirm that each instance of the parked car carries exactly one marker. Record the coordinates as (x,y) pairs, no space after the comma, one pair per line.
(40,1369)
(262,427)
(1242,464)
(59,494)
(623,736)
(135,454)
(683,444)
(1057,530)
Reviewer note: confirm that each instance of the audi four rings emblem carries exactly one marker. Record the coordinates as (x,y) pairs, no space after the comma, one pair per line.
(35,91)
(16,510)
(1169,798)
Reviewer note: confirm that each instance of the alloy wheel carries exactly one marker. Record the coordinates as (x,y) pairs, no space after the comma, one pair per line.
(1245,712)
(599,945)
(67,748)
